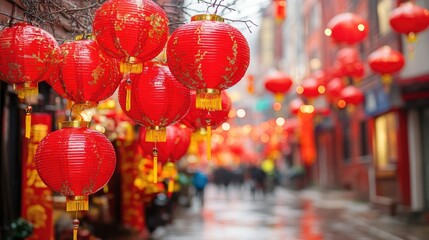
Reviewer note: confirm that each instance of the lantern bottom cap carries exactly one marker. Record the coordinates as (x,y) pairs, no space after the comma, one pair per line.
(77,203)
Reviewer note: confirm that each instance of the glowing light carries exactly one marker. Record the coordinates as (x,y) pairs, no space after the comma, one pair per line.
(328,32)
(315,63)
(277,106)
(226,126)
(306,108)
(280,121)
(265,138)
(341,103)
(247,128)
(299,89)
(241,113)
(321,89)
(361,27)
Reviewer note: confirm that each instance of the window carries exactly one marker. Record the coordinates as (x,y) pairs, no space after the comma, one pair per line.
(384,8)
(364,143)
(386,154)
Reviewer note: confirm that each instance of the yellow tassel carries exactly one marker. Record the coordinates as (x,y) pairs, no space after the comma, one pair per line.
(170,187)
(128,98)
(155,165)
(74,233)
(75,228)
(27,125)
(156,134)
(386,79)
(127,67)
(155,169)
(209,99)
(77,203)
(278,97)
(106,188)
(209,142)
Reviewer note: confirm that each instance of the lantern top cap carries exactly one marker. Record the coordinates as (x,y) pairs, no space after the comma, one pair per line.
(73,124)
(208,17)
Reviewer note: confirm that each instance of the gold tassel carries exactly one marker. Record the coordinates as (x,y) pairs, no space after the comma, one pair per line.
(386,79)
(209,99)
(156,134)
(209,136)
(155,165)
(28,111)
(128,96)
(130,65)
(106,188)
(75,228)
(278,97)
(170,187)
(77,203)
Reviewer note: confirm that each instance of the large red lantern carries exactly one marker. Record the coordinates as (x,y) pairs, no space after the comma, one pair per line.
(26,54)
(310,88)
(132,31)
(409,19)
(386,61)
(350,62)
(347,28)
(75,161)
(334,88)
(352,95)
(158,100)
(86,75)
(278,83)
(208,55)
(198,119)
(173,149)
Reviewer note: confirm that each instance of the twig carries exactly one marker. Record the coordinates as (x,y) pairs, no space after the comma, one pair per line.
(245,22)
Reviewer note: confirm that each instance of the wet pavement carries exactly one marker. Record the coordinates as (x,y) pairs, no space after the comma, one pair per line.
(287,214)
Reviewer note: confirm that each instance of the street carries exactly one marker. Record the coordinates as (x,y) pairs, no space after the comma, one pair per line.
(235,214)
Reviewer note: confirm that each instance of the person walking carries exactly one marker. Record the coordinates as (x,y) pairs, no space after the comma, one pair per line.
(199,181)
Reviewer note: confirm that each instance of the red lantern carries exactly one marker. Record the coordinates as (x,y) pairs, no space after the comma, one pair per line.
(295,105)
(409,19)
(86,75)
(173,149)
(131,31)
(334,88)
(208,55)
(203,119)
(310,88)
(280,10)
(386,61)
(26,55)
(279,84)
(75,161)
(352,95)
(350,62)
(159,100)
(347,28)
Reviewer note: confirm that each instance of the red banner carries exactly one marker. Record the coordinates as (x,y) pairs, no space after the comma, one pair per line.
(36,197)
(132,199)
(307,140)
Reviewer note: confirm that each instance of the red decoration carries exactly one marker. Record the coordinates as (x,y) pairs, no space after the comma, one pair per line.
(306,137)
(26,58)
(26,53)
(352,95)
(280,10)
(196,118)
(295,105)
(334,88)
(86,75)
(208,55)
(131,31)
(158,100)
(309,88)
(350,62)
(278,83)
(347,28)
(386,61)
(173,149)
(75,161)
(409,19)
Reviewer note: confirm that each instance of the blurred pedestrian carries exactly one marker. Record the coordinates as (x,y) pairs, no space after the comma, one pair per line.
(199,180)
